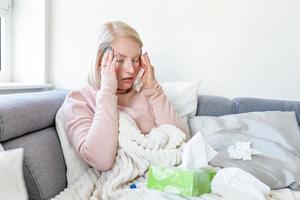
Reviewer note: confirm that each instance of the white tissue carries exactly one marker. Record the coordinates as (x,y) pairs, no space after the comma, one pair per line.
(138,83)
(242,150)
(197,153)
(234,184)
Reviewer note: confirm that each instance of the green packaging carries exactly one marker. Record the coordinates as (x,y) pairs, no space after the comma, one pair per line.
(180,181)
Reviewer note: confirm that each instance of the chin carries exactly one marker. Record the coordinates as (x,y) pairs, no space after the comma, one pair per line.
(123,87)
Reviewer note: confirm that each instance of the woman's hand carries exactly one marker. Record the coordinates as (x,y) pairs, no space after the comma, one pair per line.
(109,79)
(148,78)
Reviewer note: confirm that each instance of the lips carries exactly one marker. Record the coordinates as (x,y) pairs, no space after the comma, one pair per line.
(127,78)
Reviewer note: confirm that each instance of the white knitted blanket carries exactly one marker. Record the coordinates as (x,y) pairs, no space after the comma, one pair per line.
(136,152)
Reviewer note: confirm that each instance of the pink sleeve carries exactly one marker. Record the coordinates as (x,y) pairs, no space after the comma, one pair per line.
(94,135)
(162,108)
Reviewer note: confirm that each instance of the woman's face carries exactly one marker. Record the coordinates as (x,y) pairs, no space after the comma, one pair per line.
(128,54)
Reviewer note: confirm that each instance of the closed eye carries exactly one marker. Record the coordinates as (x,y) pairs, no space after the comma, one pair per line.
(120,61)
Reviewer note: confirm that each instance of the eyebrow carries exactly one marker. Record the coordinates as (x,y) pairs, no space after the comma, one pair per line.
(124,55)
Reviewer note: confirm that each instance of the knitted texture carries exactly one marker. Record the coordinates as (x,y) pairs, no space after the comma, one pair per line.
(136,152)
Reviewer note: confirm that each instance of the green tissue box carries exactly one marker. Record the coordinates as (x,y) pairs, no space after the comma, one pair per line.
(180,181)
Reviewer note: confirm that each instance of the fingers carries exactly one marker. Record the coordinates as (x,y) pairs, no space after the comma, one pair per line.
(145,61)
(107,57)
(104,58)
(109,67)
(110,57)
(112,66)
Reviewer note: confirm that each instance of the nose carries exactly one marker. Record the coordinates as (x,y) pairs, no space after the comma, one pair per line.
(129,67)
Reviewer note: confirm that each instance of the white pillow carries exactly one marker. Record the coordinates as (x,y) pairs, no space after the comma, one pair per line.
(75,166)
(12,184)
(183,96)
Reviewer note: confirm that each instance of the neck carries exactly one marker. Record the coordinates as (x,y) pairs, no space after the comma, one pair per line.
(122,91)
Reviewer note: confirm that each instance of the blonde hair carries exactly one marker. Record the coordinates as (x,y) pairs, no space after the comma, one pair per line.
(109,33)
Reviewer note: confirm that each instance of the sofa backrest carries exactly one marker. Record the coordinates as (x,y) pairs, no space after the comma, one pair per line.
(27,121)
(217,106)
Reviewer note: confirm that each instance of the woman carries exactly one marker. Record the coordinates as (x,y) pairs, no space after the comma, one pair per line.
(91,113)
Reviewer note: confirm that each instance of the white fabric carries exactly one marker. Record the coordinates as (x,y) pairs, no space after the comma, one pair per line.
(147,194)
(82,188)
(242,150)
(12,184)
(183,96)
(233,184)
(284,194)
(162,146)
(75,166)
(197,153)
(274,133)
(138,83)
(281,126)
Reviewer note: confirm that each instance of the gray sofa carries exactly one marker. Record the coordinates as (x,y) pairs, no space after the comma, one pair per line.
(27,120)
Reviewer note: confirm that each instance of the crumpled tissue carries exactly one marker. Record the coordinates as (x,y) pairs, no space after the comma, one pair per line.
(235,184)
(242,150)
(197,153)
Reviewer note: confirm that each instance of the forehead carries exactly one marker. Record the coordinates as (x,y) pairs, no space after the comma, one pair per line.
(126,47)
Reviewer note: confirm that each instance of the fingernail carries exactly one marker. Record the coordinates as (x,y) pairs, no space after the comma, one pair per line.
(108,49)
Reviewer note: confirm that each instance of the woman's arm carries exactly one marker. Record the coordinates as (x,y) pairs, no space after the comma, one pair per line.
(94,135)
(162,108)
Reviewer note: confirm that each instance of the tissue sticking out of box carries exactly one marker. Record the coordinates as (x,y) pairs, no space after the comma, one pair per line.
(197,153)
(242,150)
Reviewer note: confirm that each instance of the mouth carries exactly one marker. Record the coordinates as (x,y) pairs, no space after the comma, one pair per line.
(128,79)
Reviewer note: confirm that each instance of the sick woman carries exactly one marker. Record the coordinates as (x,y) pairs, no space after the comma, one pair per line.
(90,114)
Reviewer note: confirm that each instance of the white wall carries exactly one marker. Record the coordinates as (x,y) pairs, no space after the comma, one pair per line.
(29,41)
(237,48)
(6,69)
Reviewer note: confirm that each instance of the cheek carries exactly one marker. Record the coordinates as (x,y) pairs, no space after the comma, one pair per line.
(118,71)
(137,65)
(137,68)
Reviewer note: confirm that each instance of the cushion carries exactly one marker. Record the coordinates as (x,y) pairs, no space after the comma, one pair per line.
(75,166)
(12,185)
(273,133)
(183,96)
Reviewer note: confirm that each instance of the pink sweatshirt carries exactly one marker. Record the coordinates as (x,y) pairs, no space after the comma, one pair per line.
(91,119)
